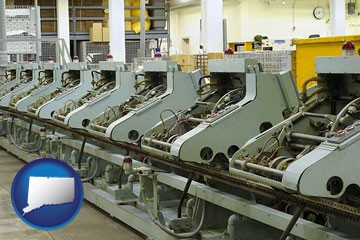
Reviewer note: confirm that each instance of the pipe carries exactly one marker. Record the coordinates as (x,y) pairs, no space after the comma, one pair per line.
(204,103)
(231,226)
(254,166)
(306,82)
(317,91)
(184,193)
(308,137)
(161,143)
(199,120)
(317,115)
(131,179)
(298,146)
(190,204)
(256,178)
(292,223)
(97,127)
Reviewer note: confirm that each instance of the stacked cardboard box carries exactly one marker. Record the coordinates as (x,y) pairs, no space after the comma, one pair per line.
(186,61)
(98,33)
(48,26)
(10,2)
(88,2)
(127,14)
(215,55)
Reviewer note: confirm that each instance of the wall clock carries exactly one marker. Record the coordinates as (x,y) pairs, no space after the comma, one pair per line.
(319,12)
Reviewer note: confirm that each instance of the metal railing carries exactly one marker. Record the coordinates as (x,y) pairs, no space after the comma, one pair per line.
(24,49)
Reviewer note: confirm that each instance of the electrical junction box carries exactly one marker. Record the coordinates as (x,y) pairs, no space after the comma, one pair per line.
(351,8)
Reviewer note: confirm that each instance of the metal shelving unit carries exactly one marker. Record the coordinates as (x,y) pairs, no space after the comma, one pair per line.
(158,11)
(158,14)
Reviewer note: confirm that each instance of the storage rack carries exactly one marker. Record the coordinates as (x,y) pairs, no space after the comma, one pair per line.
(80,23)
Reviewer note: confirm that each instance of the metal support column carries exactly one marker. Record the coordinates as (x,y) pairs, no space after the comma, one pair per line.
(337,18)
(63,27)
(38,31)
(117,30)
(142,30)
(212,25)
(3,54)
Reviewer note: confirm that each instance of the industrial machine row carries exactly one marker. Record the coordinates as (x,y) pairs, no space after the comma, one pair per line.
(236,154)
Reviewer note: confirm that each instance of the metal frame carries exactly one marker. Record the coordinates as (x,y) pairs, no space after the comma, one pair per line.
(140,221)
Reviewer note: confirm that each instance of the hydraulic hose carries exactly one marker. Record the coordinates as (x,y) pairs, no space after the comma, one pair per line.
(167,230)
(91,177)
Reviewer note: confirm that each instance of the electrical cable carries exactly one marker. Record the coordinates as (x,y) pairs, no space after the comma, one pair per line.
(139,74)
(62,76)
(184,193)
(201,78)
(266,142)
(20,147)
(223,98)
(162,120)
(92,74)
(81,152)
(341,114)
(167,230)
(160,89)
(305,83)
(92,176)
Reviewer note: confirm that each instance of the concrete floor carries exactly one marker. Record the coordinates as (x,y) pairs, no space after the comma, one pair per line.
(90,223)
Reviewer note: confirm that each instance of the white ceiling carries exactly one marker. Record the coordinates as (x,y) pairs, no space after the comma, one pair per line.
(181,3)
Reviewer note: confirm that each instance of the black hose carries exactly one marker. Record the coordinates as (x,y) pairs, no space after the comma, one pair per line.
(9,132)
(30,128)
(292,223)
(21,73)
(92,73)
(40,72)
(120,176)
(62,77)
(201,78)
(184,193)
(81,152)
(92,176)
(139,74)
(7,72)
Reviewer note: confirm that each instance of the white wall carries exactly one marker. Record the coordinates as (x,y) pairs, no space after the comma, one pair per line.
(278,21)
(185,23)
(247,18)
